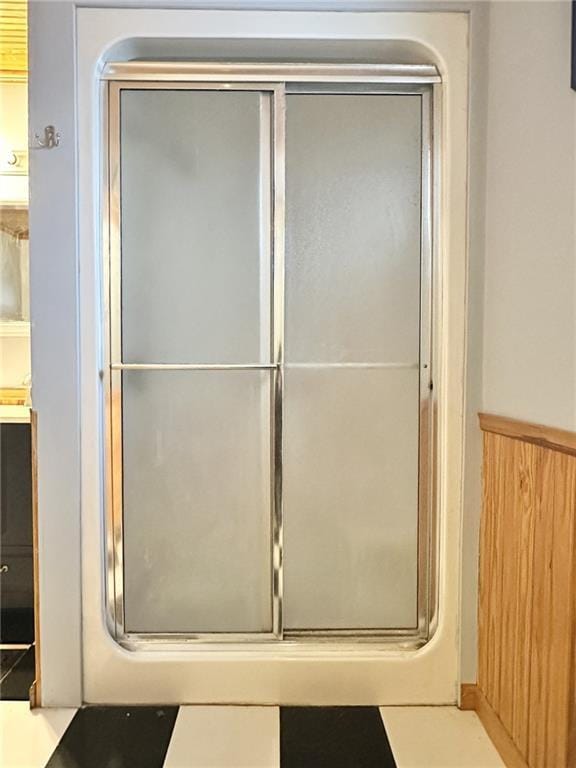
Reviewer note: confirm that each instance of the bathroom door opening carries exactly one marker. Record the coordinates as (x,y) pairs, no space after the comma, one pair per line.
(269,358)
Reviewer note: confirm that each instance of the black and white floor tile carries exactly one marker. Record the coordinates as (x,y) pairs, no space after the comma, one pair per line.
(16,673)
(230,736)
(243,737)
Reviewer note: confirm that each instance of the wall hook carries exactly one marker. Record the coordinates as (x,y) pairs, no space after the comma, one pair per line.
(51,138)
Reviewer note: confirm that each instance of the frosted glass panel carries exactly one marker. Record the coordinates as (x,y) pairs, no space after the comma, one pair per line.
(195,276)
(350,498)
(353,228)
(197,501)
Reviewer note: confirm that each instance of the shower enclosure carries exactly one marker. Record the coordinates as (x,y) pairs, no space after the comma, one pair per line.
(268,280)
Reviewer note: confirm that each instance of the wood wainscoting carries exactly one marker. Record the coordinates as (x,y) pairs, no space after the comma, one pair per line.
(527,600)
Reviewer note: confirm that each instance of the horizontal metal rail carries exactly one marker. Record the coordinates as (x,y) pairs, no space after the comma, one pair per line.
(253,366)
(174,71)
(192,367)
(410,366)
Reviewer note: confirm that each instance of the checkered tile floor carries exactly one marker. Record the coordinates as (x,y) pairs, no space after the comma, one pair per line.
(243,737)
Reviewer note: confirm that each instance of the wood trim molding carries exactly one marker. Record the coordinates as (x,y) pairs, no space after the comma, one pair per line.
(468,697)
(501,739)
(35,688)
(546,437)
(472,698)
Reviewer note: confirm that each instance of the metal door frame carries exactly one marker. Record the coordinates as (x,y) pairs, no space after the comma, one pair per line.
(421,80)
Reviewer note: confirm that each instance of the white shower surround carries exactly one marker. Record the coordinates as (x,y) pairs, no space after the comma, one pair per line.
(327,675)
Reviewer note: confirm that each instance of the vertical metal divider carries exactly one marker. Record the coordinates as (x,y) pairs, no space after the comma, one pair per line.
(426,458)
(266,320)
(105,362)
(115,353)
(278,239)
(436,211)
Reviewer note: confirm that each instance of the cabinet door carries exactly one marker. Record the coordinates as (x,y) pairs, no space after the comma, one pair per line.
(17,574)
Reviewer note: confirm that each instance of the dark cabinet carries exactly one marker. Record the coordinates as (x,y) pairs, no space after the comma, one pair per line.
(16,565)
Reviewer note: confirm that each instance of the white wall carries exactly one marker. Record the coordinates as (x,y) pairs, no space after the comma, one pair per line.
(14,359)
(14,136)
(54,319)
(522,233)
(530,262)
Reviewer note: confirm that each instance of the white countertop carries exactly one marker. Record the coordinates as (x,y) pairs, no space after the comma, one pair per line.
(14,414)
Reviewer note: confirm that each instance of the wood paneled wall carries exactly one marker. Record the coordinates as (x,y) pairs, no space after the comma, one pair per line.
(527,604)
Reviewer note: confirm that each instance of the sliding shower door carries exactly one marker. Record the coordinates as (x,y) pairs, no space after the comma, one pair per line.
(192,360)
(269,360)
(353,171)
